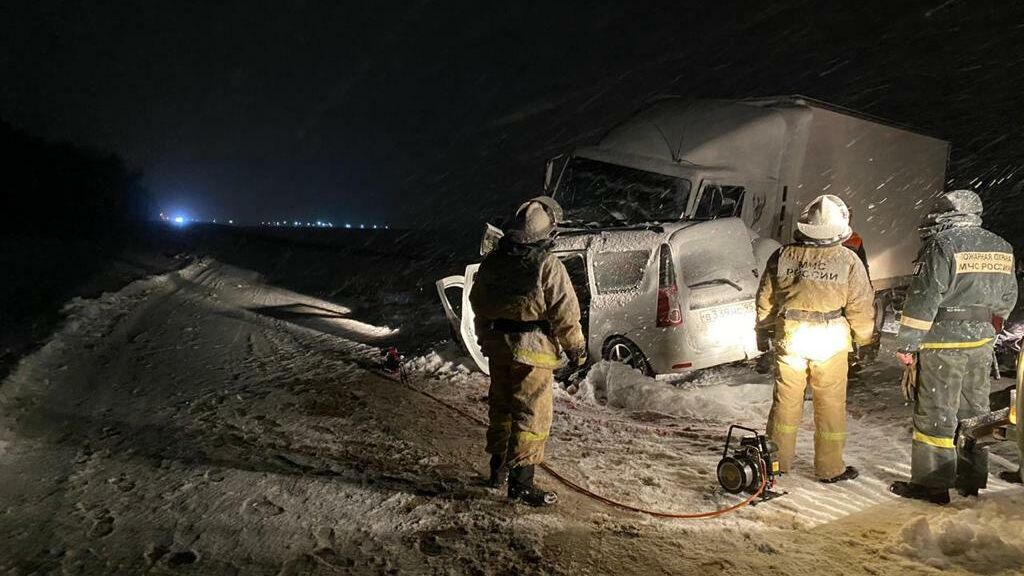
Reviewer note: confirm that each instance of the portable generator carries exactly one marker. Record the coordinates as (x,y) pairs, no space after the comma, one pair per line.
(745,464)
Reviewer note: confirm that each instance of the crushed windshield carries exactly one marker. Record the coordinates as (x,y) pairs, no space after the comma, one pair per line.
(598,193)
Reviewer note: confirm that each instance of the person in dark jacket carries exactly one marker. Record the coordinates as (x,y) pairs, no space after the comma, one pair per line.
(964,278)
(856,243)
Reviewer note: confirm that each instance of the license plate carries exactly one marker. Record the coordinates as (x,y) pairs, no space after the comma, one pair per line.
(709,315)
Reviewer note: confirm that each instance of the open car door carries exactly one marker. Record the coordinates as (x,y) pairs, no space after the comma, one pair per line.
(454,293)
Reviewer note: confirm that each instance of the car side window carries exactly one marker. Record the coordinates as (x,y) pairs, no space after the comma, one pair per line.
(619,271)
(717,201)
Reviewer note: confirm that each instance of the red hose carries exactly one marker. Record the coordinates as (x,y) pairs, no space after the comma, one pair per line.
(588,493)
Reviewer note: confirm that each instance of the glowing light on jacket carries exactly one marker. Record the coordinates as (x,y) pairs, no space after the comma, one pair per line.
(817,341)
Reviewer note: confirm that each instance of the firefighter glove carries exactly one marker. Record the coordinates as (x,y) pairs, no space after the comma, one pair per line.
(577,357)
(909,382)
(764,340)
(997,324)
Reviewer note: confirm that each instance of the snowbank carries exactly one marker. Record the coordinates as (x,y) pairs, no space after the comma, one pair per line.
(987,537)
(717,394)
(436,364)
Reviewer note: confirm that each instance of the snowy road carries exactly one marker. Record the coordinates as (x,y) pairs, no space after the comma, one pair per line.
(203,422)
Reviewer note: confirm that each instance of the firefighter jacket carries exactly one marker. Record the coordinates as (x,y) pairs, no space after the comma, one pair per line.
(811,297)
(856,243)
(963,276)
(525,305)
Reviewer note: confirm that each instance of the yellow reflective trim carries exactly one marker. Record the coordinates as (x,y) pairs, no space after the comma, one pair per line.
(933,440)
(945,345)
(916,324)
(784,428)
(530,436)
(834,436)
(535,358)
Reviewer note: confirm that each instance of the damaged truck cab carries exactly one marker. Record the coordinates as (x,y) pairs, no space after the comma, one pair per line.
(672,216)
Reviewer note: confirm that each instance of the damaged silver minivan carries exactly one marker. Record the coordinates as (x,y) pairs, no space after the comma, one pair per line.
(662,294)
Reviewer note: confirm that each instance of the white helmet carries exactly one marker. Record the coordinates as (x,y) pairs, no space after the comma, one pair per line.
(535,219)
(825,218)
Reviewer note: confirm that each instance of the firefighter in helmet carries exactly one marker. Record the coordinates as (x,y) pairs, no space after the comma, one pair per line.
(963,284)
(526,314)
(814,295)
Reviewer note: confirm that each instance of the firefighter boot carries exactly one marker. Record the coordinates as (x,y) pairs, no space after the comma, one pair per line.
(913,491)
(850,473)
(521,488)
(499,472)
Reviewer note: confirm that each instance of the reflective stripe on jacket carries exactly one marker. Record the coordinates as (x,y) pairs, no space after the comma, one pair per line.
(958,268)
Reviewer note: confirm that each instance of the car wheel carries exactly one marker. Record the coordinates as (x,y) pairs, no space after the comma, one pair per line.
(619,349)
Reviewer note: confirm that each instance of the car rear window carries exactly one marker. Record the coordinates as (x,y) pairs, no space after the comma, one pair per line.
(619,271)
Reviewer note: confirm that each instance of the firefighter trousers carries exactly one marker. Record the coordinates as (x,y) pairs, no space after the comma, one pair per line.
(953,383)
(827,380)
(519,411)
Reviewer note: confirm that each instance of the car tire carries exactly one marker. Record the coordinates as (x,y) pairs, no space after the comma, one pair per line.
(619,349)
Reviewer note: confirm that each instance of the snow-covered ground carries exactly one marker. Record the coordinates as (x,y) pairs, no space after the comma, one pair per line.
(205,422)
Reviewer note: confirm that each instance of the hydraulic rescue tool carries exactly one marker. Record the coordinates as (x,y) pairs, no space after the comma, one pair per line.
(748,464)
(1001,424)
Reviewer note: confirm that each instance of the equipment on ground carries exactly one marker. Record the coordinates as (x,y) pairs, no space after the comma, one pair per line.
(999,425)
(391,362)
(749,464)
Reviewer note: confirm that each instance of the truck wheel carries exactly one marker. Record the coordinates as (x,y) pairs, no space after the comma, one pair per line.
(619,349)
(881,307)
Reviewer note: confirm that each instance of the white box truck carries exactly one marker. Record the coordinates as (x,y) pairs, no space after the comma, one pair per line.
(673,214)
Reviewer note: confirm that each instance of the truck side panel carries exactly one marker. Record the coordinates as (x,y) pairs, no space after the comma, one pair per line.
(887,175)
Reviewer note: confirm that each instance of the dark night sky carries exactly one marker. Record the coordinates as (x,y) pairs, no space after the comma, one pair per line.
(430,111)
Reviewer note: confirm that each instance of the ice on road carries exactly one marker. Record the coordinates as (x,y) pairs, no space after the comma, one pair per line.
(204,422)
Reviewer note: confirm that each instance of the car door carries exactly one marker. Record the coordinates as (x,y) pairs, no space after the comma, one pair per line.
(460,315)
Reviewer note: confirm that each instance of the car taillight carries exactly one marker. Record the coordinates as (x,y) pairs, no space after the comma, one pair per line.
(669,312)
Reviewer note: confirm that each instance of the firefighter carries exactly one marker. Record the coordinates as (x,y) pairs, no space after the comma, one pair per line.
(862,355)
(814,295)
(856,243)
(963,280)
(526,313)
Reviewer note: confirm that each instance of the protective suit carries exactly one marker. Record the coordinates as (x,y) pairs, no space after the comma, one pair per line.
(964,277)
(813,302)
(856,243)
(526,314)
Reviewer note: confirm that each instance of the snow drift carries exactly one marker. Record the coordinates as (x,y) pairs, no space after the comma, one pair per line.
(987,537)
(721,394)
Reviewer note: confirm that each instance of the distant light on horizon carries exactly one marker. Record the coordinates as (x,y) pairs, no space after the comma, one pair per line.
(317,224)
